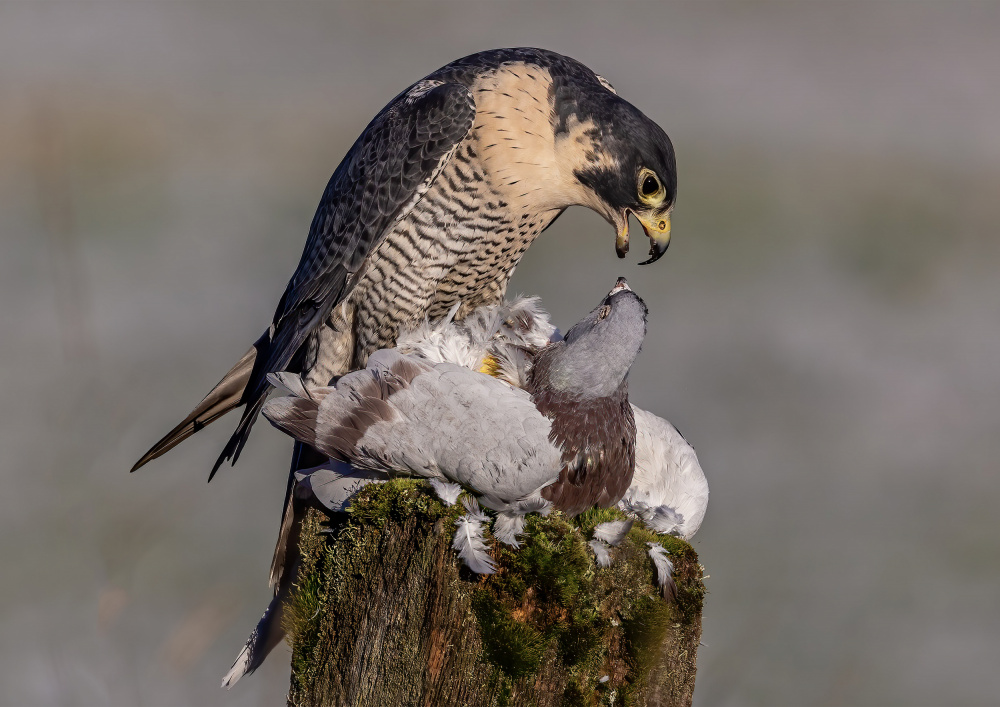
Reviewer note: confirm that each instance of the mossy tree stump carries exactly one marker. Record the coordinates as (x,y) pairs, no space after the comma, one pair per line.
(385,614)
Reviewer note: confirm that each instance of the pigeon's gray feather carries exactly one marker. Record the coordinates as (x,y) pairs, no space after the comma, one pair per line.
(335,483)
(507,527)
(612,532)
(664,571)
(446,491)
(469,541)
(403,415)
(601,553)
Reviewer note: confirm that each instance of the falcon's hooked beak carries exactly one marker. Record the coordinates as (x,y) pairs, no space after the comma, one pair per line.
(657,230)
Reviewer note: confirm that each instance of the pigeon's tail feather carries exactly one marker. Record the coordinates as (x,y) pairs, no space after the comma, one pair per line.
(264,638)
(225,396)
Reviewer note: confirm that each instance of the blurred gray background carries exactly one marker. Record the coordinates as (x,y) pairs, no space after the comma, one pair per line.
(824,328)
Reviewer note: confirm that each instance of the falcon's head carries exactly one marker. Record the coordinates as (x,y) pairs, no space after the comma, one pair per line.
(628,167)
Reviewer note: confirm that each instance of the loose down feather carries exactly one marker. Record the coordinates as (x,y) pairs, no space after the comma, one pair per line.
(664,571)
(507,527)
(267,634)
(612,532)
(469,541)
(446,491)
(602,553)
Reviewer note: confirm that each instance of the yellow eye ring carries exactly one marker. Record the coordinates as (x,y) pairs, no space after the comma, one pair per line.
(649,187)
(604,311)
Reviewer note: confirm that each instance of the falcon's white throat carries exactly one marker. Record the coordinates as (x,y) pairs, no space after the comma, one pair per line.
(527,162)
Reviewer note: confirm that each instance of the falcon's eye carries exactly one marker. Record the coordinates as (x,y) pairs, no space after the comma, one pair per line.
(651,191)
(604,311)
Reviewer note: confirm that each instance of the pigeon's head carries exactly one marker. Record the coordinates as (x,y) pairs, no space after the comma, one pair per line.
(597,353)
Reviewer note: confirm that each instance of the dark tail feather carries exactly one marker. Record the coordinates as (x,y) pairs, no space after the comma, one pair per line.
(235,444)
(284,570)
(279,349)
(268,633)
(286,549)
(225,396)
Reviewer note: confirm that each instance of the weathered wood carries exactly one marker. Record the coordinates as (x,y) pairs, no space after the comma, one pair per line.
(384,614)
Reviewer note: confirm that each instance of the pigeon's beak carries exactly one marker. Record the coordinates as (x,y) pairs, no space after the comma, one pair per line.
(658,232)
(622,284)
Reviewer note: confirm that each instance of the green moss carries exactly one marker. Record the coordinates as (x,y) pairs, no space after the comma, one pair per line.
(395,500)
(514,647)
(645,629)
(548,607)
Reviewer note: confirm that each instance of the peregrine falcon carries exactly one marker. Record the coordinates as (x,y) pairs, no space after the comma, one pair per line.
(435,204)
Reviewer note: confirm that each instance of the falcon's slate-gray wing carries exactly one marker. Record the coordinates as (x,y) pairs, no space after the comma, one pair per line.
(383,175)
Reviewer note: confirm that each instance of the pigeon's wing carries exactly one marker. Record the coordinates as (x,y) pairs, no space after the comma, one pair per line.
(384,174)
(440,420)
(667,475)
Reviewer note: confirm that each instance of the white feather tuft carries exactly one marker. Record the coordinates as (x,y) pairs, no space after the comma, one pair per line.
(664,520)
(507,527)
(473,510)
(446,491)
(471,546)
(602,553)
(612,532)
(664,570)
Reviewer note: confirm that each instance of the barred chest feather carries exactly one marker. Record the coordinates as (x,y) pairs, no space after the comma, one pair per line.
(461,241)
(504,183)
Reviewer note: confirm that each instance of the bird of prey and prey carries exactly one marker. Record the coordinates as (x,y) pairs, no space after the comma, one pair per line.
(402,357)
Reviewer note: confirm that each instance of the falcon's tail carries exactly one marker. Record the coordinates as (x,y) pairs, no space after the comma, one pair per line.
(225,396)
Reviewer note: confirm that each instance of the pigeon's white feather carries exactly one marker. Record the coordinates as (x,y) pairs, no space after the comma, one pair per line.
(498,331)
(507,527)
(470,544)
(668,482)
(473,510)
(601,552)
(664,520)
(446,491)
(664,570)
(612,532)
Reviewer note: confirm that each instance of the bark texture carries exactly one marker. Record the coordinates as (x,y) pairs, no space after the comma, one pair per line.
(385,614)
